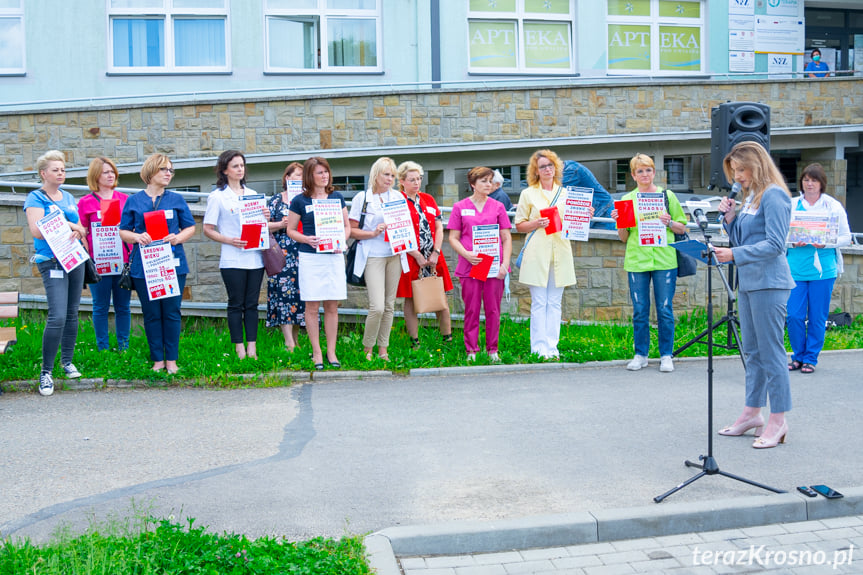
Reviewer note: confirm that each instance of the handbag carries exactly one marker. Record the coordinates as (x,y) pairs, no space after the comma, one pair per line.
(530,235)
(351,253)
(126,275)
(274,257)
(428,294)
(91,276)
(686,265)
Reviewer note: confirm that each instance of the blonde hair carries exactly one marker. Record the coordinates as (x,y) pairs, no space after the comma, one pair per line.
(95,172)
(152,165)
(405,168)
(533,169)
(47,158)
(753,156)
(378,168)
(639,160)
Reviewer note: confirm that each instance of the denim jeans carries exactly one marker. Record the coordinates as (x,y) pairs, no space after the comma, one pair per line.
(102,293)
(162,321)
(61,328)
(664,284)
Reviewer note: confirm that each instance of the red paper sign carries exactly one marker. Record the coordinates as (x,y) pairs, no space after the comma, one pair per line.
(625,214)
(480,270)
(554,223)
(156,224)
(110,210)
(251,234)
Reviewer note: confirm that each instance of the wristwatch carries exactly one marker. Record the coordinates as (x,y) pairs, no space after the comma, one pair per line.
(439,252)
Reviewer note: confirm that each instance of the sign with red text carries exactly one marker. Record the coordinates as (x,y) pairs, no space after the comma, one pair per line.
(329,226)
(107,249)
(160,271)
(648,207)
(252,211)
(400,226)
(486,240)
(576,216)
(56,231)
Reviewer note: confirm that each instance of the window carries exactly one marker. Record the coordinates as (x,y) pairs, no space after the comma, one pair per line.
(323,36)
(520,36)
(168,36)
(11,37)
(349,186)
(675,173)
(621,174)
(655,37)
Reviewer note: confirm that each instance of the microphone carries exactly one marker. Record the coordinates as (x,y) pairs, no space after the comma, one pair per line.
(735,189)
(700,218)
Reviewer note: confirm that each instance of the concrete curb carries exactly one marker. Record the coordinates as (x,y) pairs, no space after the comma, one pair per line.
(460,538)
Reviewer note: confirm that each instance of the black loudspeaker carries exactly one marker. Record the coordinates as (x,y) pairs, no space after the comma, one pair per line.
(730,124)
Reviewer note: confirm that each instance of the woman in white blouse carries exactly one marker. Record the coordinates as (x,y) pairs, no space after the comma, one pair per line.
(242,270)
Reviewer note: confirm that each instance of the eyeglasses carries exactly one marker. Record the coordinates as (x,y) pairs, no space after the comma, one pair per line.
(167,170)
(545,167)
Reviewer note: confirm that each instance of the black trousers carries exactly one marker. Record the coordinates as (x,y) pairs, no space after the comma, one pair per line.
(244,287)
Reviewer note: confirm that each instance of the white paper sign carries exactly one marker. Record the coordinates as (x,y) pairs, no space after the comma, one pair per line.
(400,226)
(779,65)
(741,61)
(784,7)
(56,231)
(252,212)
(741,7)
(486,240)
(160,271)
(107,249)
(329,225)
(779,35)
(741,40)
(294,189)
(649,206)
(576,215)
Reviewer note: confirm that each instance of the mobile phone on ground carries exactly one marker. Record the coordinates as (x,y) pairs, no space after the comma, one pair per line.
(808,491)
(827,492)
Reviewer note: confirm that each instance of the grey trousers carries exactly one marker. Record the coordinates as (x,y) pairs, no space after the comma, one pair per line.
(762,326)
(61,328)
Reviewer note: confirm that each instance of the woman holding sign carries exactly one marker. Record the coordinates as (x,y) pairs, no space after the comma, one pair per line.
(100,212)
(158,221)
(284,306)
(236,216)
(62,285)
(428,228)
(547,266)
(649,258)
(814,267)
(326,229)
(376,255)
(480,235)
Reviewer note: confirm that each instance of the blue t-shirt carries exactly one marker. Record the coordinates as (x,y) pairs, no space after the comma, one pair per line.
(38,199)
(814,67)
(302,205)
(178,216)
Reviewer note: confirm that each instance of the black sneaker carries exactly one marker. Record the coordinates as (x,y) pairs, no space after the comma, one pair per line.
(46,384)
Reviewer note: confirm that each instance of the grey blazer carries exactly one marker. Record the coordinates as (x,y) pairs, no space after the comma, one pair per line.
(759,243)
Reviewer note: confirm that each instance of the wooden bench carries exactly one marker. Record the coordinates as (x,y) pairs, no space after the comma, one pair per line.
(8,309)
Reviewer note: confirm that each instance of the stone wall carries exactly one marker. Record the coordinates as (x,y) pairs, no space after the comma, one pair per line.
(601,294)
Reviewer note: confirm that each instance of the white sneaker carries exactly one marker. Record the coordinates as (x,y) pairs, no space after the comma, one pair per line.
(46,384)
(637,363)
(666,364)
(471,357)
(71,371)
(494,358)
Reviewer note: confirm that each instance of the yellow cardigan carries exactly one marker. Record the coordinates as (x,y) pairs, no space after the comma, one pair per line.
(544,251)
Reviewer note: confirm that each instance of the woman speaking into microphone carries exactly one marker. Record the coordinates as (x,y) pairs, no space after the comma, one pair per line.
(757,233)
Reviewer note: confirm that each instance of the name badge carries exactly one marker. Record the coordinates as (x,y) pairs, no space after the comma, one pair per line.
(169,214)
(176,262)
(56,274)
(432,211)
(468,212)
(310,209)
(99,214)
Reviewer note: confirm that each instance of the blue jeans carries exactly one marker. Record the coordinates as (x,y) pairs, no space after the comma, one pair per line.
(664,284)
(162,321)
(102,292)
(809,300)
(61,327)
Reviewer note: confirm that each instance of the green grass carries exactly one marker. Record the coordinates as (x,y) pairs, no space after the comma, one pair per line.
(207,357)
(166,547)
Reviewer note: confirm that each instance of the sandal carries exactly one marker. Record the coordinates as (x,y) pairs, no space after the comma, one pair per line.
(794,365)
(807,368)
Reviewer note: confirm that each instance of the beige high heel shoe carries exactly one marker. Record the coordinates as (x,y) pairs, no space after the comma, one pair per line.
(767,442)
(734,430)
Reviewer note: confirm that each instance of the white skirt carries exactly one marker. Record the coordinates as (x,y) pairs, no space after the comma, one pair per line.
(322,277)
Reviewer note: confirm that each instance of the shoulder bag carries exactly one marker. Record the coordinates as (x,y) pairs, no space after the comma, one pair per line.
(428,294)
(530,235)
(686,265)
(351,253)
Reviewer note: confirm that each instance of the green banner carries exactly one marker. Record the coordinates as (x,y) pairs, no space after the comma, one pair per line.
(546,6)
(672,9)
(680,48)
(629,7)
(492,5)
(492,44)
(628,47)
(547,45)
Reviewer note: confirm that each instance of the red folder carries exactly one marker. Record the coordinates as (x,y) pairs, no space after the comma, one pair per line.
(554,223)
(480,270)
(251,234)
(156,224)
(625,214)
(110,210)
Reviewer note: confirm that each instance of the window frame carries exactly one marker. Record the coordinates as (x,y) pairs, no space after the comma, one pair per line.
(321,14)
(168,14)
(656,23)
(16,13)
(521,17)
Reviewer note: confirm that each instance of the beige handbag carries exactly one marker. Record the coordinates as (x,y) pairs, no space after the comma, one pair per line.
(428,294)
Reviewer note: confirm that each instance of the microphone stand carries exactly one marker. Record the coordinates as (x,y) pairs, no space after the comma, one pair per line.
(709,466)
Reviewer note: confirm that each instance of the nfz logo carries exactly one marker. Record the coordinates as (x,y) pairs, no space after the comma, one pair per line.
(780,60)
(746,3)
